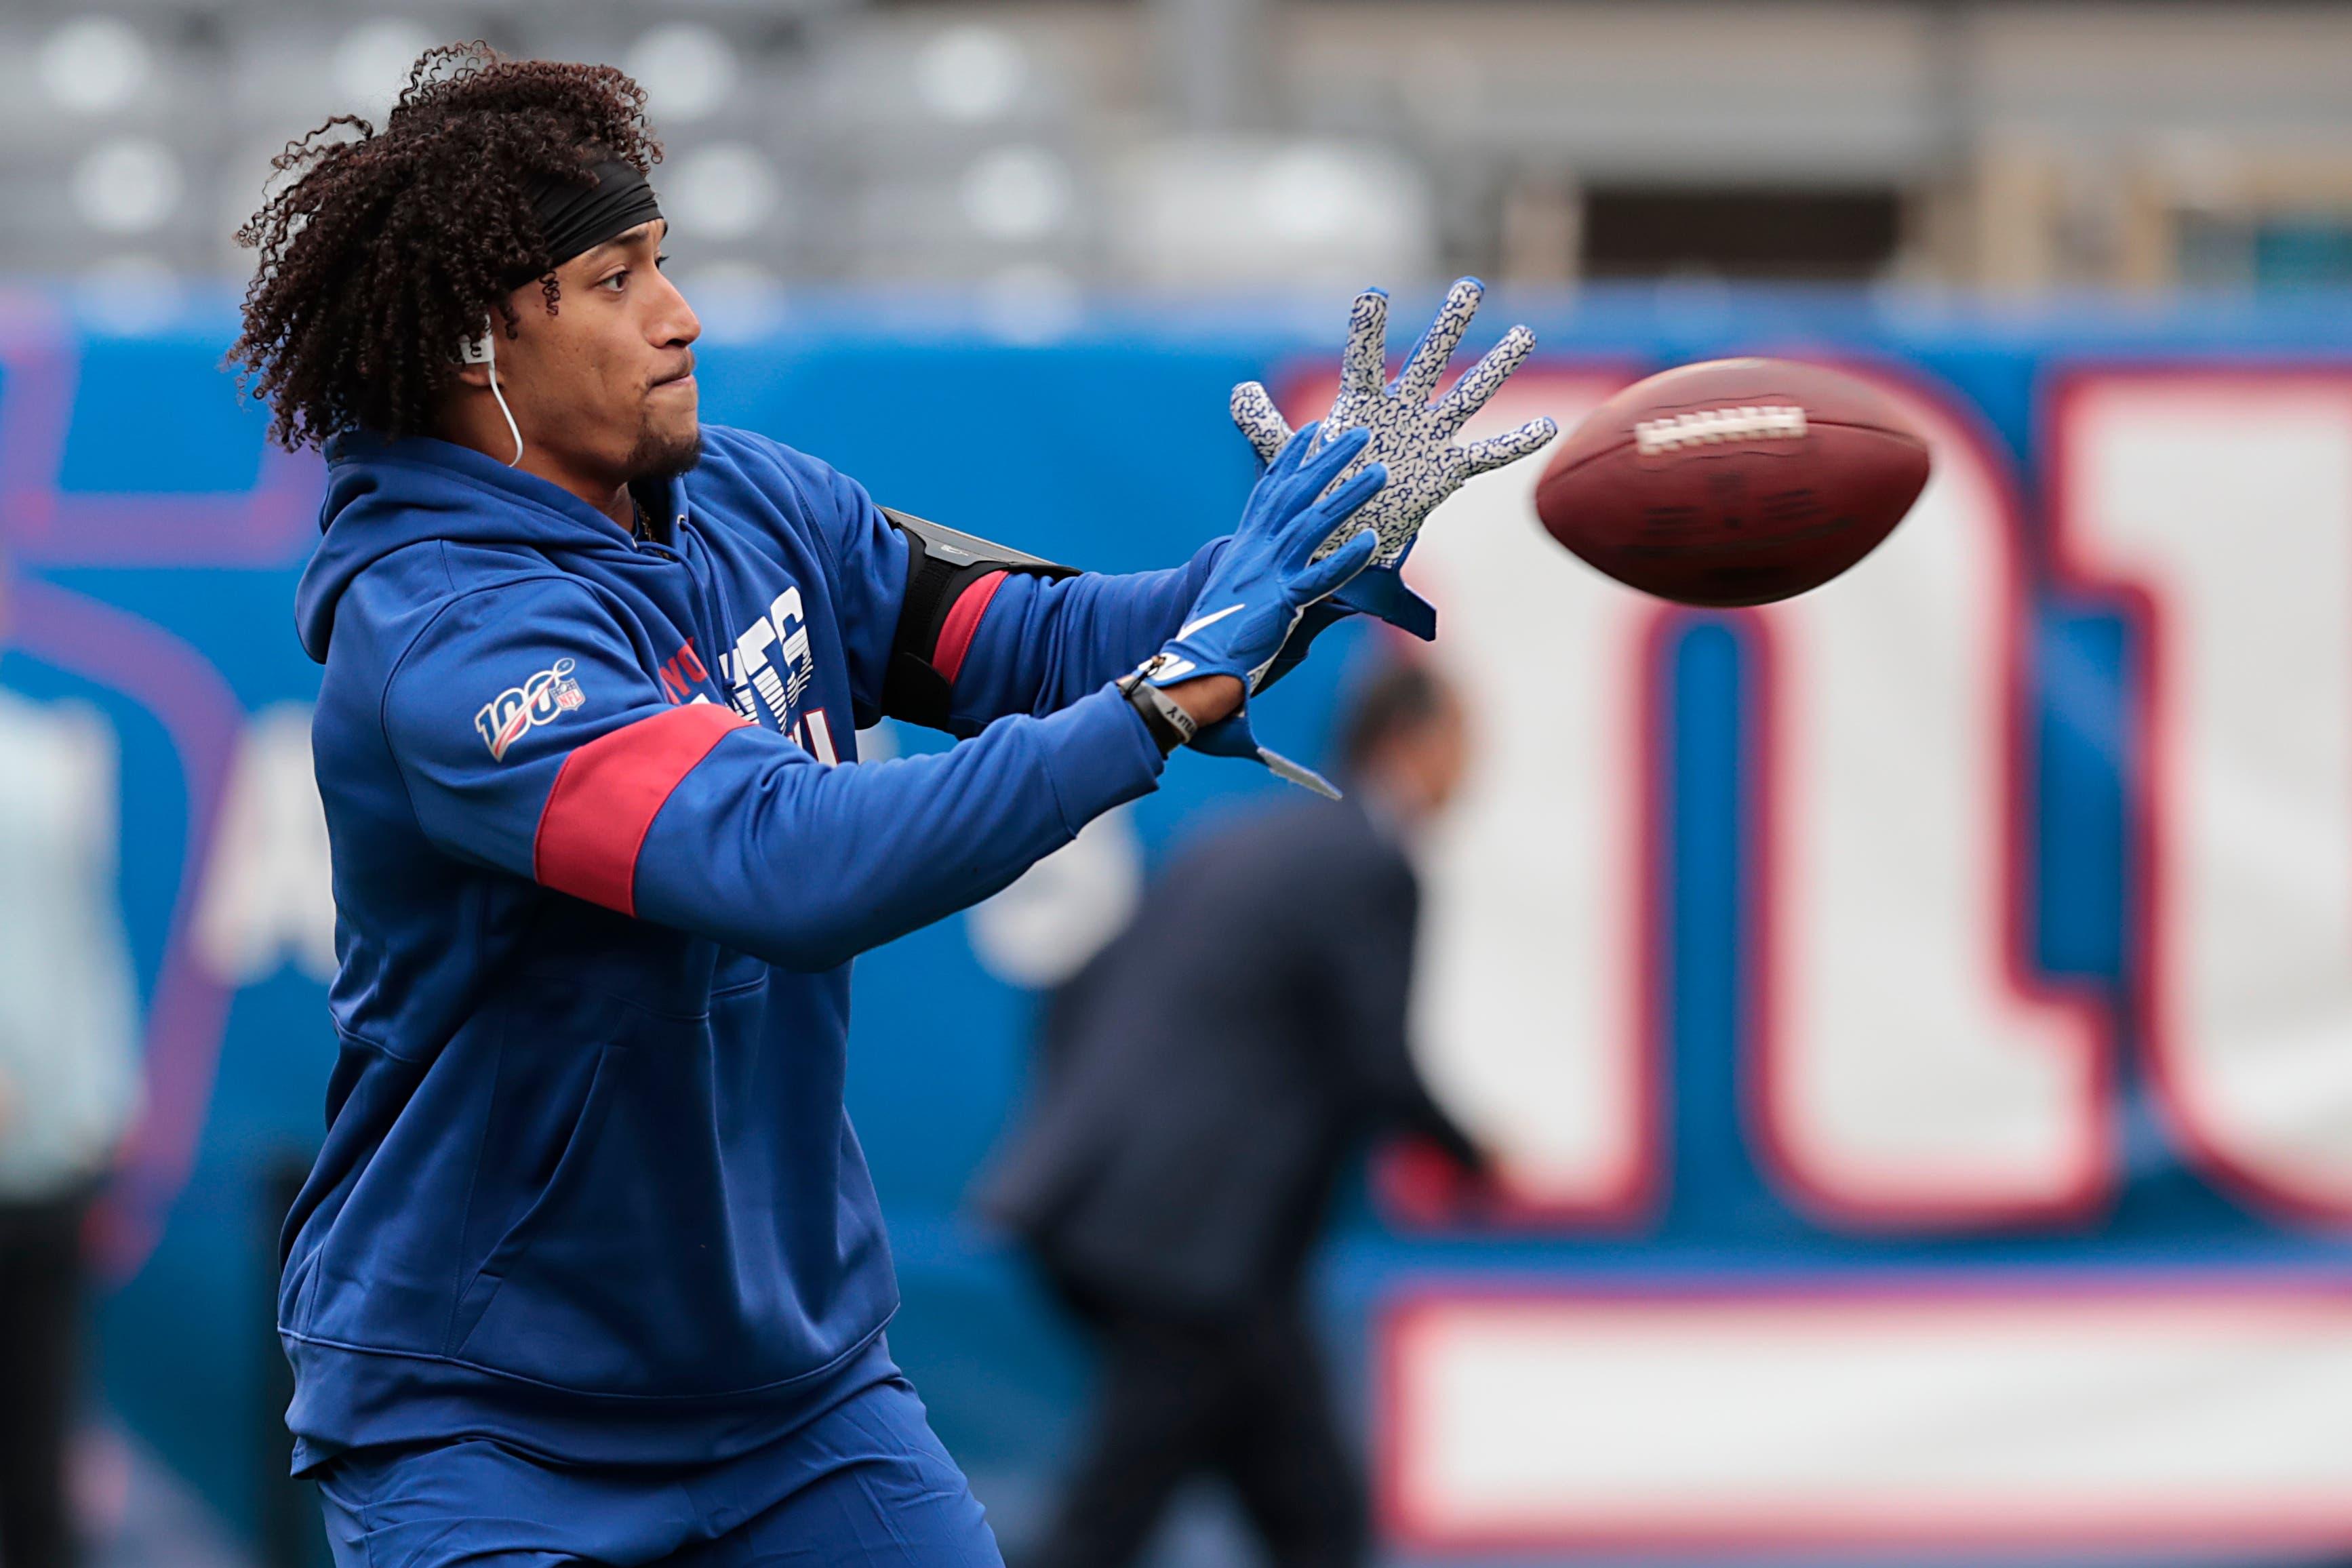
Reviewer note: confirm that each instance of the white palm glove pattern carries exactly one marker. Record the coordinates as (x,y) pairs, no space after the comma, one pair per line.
(1410,435)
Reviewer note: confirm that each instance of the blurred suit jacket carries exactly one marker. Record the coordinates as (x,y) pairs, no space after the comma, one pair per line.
(1209,1074)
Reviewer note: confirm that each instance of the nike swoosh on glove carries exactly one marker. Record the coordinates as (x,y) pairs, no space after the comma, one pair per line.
(1269,577)
(1277,564)
(1412,436)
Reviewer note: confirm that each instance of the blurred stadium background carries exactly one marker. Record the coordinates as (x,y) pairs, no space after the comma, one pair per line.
(1919,1018)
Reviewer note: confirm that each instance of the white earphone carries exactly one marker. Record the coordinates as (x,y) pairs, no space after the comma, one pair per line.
(482,350)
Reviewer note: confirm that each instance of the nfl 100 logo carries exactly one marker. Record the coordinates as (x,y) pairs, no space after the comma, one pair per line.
(505,717)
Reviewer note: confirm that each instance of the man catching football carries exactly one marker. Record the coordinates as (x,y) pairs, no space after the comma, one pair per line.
(590,1269)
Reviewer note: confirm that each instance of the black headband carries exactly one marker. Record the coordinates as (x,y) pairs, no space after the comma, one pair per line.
(576,218)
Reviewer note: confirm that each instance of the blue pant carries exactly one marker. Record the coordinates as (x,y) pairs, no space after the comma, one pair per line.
(863,1484)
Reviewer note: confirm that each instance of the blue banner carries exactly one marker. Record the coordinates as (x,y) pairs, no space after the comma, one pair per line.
(1918,1005)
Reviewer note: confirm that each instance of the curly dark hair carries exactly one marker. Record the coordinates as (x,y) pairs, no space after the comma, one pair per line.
(387,247)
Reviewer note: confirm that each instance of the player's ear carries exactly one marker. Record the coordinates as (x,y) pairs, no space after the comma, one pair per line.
(475,356)
(480,355)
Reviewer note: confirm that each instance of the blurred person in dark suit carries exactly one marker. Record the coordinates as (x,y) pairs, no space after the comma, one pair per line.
(68,1085)
(1207,1079)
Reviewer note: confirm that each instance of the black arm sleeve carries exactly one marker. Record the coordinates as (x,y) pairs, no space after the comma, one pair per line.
(942,564)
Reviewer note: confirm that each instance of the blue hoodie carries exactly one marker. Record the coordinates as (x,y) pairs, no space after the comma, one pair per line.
(587,1186)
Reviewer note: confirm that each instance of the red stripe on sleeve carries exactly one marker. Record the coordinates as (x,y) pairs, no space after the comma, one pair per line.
(606,795)
(963,620)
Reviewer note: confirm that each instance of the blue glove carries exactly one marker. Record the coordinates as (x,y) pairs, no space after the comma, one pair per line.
(1272,573)
(1276,566)
(1410,435)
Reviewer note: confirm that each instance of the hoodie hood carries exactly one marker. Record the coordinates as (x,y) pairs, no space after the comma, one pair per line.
(386,494)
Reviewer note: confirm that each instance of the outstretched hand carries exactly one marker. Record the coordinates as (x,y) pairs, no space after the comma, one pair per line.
(1411,431)
(1276,568)
(1279,561)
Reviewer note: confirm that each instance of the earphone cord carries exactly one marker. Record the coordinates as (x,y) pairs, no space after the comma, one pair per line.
(516,461)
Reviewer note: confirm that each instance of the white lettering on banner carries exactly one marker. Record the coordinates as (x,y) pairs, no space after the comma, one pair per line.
(2189,1418)
(1528,1005)
(2221,505)
(1909,1070)
(269,893)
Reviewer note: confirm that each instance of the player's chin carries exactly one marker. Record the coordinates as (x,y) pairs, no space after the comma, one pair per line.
(669,445)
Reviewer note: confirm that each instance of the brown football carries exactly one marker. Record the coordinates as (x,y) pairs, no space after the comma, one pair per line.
(1734,481)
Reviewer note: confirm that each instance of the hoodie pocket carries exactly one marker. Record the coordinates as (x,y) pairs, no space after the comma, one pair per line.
(704,1230)
(652,1260)
(550,1200)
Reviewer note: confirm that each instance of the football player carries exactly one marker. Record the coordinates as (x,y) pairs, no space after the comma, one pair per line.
(590,1269)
